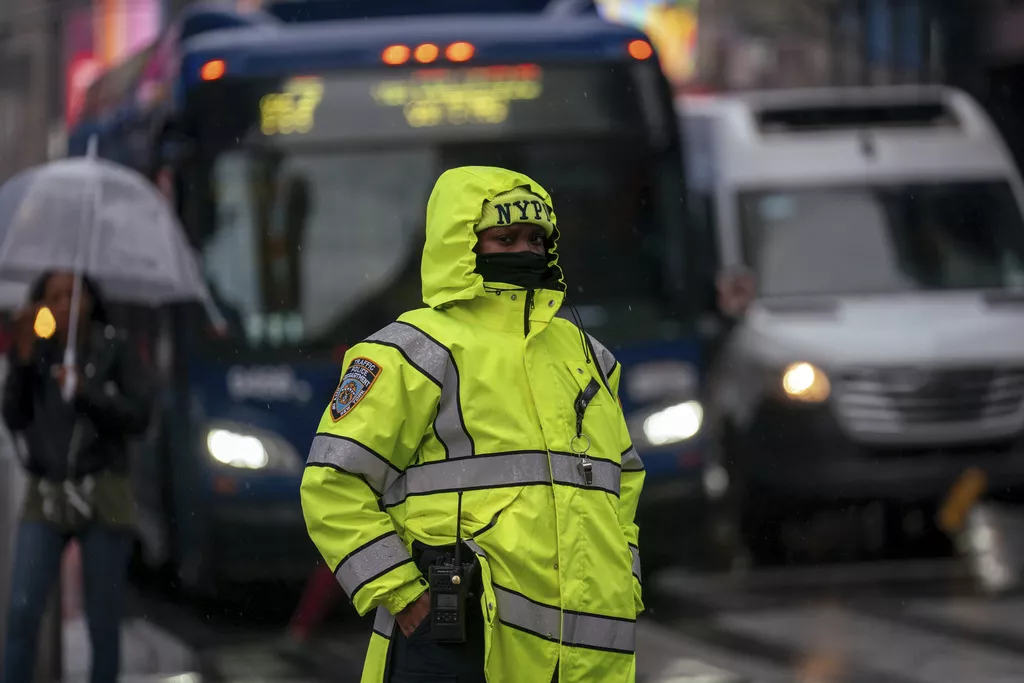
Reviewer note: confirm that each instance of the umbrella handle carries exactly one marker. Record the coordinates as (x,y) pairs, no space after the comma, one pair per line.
(70,376)
(70,385)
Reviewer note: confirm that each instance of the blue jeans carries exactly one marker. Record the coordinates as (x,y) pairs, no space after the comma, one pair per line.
(37,556)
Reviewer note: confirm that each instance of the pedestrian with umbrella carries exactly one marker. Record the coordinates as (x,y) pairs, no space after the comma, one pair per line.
(81,230)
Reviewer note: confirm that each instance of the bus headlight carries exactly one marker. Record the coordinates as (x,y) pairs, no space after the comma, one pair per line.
(804,382)
(248,448)
(673,424)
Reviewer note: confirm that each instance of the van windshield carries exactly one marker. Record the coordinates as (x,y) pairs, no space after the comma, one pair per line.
(879,239)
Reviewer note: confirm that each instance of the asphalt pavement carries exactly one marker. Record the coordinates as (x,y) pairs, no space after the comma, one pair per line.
(891,622)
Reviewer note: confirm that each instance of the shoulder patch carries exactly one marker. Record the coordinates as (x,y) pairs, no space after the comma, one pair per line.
(353,387)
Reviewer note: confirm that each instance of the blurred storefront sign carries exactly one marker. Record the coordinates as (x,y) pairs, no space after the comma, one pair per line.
(123,27)
(672,27)
(99,37)
(83,67)
(82,72)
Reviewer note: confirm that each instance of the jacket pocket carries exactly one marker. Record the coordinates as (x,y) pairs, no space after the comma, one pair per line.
(583,376)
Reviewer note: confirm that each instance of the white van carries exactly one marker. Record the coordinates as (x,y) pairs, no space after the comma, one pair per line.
(881,352)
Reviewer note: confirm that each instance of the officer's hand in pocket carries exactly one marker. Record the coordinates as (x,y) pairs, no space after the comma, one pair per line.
(413,615)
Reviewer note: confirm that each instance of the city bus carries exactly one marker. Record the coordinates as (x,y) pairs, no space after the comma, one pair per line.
(299,148)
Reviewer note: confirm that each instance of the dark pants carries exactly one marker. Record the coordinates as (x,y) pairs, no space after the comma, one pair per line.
(418,659)
(36,570)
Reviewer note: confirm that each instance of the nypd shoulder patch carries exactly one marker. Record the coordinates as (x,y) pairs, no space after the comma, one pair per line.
(353,387)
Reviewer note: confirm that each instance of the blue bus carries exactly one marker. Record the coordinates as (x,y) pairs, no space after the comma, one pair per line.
(299,144)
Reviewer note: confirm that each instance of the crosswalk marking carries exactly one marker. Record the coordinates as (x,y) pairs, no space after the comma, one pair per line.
(883,623)
(887,647)
(867,573)
(665,655)
(1003,615)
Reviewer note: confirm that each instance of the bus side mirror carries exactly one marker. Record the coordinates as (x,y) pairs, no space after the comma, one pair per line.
(736,289)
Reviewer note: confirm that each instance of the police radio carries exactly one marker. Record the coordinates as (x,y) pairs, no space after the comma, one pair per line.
(451,583)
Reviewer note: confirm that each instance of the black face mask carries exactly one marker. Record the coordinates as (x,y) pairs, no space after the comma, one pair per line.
(521,268)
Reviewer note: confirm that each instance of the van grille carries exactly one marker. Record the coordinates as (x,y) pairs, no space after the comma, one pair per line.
(886,400)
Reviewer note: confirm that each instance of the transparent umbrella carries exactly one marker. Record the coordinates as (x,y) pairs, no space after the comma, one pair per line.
(96,218)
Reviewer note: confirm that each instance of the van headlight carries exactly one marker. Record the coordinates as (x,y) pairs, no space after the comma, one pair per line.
(672,424)
(806,383)
(249,448)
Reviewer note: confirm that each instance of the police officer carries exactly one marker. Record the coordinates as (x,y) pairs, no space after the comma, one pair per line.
(485,418)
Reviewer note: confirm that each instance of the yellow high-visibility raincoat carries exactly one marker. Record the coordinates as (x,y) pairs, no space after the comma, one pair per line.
(476,394)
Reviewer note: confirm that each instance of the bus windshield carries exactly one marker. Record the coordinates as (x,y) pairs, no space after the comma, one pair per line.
(311,246)
(314,248)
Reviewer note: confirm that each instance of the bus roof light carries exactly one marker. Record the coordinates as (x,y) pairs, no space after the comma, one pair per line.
(213,70)
(426,53)
(640,49)
(395,54)
(460,52)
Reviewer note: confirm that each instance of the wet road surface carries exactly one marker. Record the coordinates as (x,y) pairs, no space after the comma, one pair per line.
(908,622)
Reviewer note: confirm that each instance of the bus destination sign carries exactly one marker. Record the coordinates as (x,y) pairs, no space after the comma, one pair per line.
(292,110)
(435,103)
(483,95)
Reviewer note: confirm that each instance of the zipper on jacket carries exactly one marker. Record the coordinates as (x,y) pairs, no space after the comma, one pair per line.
(526,313)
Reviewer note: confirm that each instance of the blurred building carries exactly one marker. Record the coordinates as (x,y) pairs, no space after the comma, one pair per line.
(50,51)
(1002,36)
(806,43)
(26,80)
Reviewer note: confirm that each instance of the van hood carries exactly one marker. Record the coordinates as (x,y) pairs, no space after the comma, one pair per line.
(963,328)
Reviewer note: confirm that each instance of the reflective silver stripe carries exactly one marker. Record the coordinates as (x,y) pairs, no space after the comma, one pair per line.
(478,472)
(503,469)
(448,424)
(373,560)
(435,361)
(351,457)
(516,610)
(383,622)
(602,633)
(472,545)
(429,356)
(581,630)
(604,357)
(631,461)
(636,563)
(604,475)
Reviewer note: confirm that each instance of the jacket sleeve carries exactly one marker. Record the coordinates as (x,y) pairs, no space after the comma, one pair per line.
(368,436)
(633,474)
(18,401)
(122,402)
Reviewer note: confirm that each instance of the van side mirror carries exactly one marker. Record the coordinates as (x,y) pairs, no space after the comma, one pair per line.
(736,289)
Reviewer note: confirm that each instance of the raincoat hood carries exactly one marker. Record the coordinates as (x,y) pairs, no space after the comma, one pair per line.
(463,201)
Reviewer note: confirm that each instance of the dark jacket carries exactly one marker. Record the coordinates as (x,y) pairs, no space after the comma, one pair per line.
(113,404)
